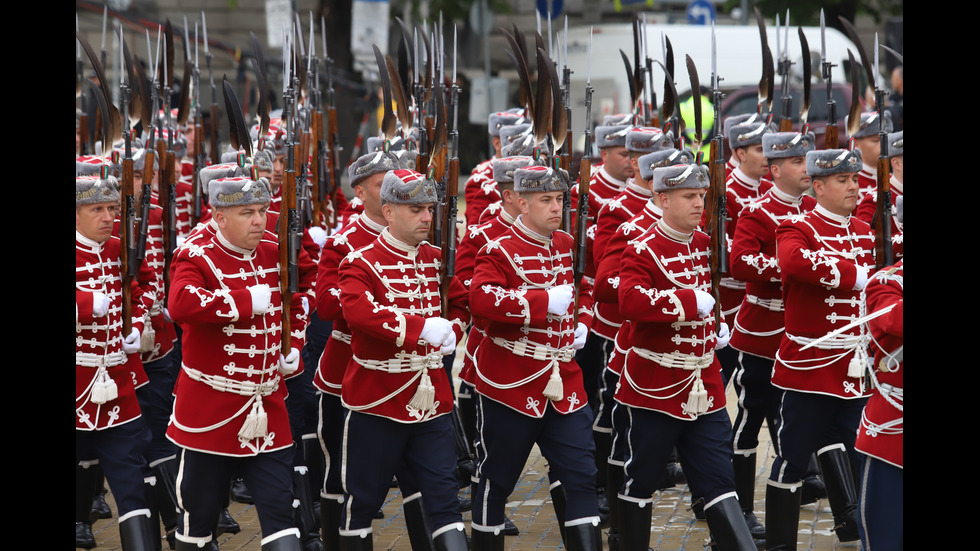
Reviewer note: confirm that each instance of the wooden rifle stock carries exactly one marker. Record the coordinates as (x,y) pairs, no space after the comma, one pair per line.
(127,248)
(333,162)
(717,219)
(830,136)
(884,253)
(316,137)
(581,225)
(450,234)
(284,224)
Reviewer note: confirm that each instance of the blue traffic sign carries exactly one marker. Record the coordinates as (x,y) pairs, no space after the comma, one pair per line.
(700,12)
(555,7)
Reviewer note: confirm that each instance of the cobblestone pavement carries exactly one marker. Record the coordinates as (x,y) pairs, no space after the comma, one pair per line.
(674,527)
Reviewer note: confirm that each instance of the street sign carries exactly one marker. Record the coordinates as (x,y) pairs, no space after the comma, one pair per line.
(700,12)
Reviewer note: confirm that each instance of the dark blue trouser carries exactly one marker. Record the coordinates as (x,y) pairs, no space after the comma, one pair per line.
(881,505)
(506,439)
(156,399)
(202,485)
(375,449)
(120,453)
(758,401)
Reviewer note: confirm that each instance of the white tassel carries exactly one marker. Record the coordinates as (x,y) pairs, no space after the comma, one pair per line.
(554,390)
(425,395)
(858,363)
(148,337)
(702,398)
(256,423)
(692,400)
(104,389)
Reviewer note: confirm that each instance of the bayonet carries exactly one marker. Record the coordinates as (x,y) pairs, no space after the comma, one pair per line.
(766,83)
(805,109)
(856,39)
(831,131)
(692,72)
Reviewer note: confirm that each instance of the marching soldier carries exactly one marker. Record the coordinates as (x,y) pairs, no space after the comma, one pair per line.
(530,389)
(396,391)
(611,420)
(881,437)
(671,383)
(108,421)
(230,412)
(824,257)
(759,322)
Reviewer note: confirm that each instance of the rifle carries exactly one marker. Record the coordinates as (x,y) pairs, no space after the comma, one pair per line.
(715,206)
(782,52)
(168,197)
(565,159)
(332,146)
(884,255)
(766,82)
(200,157)
(288,222)
(830,133)
(584,176)
(215,146)
(451,198)
(128,262)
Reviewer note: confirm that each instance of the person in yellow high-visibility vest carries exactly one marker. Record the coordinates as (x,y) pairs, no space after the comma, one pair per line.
(707,121)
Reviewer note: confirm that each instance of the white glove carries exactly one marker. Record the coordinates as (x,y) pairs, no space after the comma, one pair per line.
(319,235)
(131,343)
(449,346)
(306,306)
(289,364)
(706,303)
(437,331)
(261,298)
(100,304)
(180,241)
(166,315)
(581,334)
(724,335)
(862,278)
(559,297)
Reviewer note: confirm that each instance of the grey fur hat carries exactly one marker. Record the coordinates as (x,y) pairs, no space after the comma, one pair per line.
(611,135)
(517,140)
(87,165)
(238,191)
(669,178)
(825,162)
(223,170)
(497,121)
(746,134)
(90,190)
(263,159)
(896,144)
(643,139)
(406,158)
(540,179)
(739,119)
(618,119)
(371,163)
(505,167)
(407,187)
(780,145)
(665,157)
(871,124)
(139,160)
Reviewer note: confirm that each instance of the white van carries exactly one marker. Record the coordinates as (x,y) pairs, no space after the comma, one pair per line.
(739,61)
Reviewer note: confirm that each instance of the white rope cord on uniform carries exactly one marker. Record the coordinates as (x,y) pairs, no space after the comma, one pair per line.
(424,398)
(554,390)
(697,401)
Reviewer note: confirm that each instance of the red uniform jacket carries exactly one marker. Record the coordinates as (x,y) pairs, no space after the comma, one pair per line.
(230,378)
(819,253)
(671,367)
(480,191)
(740,191)
(602,188)
(525,345)
(865,211)
(759,322)
(881,434)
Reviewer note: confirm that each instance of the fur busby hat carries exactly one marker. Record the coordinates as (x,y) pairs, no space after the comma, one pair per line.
(647,140)
(779,145)
(662,158)
(618,119)
(746,134)
(872,124)
(505,167)
(140,159)
(896,144)
(407,187)
(223,170)
(371,163)
(825,162)
(669,178)
(611,135)
(90,190)
(739,119)
(238,191)
(87,165)
(540,179)
(263,159)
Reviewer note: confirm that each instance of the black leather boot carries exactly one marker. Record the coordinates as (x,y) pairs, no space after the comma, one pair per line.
(288,542)
(813,486)
(417,523)
(134,533)
(240,493)
(453,539)
(728,528)
(165,496)
(304,515)
(84,490)
(330,522)
(634,525)
(744,466)
(483,540)
(614,483)
(586,536)
(100,508)
(841,491)
(603,447)
(782,517)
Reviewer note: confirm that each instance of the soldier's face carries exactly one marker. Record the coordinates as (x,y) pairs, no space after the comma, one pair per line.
(790,175)
(870,149)
(752,161)
(278,166)
(369,192)
(242,226)
(683,208)
(838,193)
(617,162)
(542,211)
(95,221)
(409,223)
